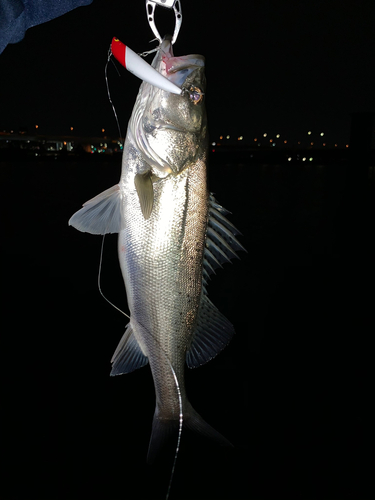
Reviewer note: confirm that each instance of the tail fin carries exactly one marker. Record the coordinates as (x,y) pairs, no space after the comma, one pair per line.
(163,430)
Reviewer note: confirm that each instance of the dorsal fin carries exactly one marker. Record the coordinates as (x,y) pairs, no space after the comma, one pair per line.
(212,333)
(221,243)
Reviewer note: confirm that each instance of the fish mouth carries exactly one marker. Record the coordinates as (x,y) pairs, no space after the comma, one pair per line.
(176,68)
(161,119)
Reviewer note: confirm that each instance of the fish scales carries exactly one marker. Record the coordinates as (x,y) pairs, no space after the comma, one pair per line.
(172,235)
(163,272)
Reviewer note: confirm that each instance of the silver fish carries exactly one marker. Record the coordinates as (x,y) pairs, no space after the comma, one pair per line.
(172,235)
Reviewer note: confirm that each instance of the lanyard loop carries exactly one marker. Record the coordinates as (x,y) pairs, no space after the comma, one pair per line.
(168,4)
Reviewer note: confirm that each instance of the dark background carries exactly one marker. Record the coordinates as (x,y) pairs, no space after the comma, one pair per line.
(277,67)
(293,391)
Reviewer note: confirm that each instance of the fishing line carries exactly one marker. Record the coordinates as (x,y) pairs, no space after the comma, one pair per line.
(181,417)
(100,290)
(107,85)
(181,421)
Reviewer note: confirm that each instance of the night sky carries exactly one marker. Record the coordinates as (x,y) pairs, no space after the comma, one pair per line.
(272,66)
(293,391)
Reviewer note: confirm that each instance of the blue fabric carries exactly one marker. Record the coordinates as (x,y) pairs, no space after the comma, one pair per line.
(16,16)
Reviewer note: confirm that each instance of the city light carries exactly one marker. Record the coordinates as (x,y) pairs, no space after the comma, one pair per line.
(103,129)
(213,144)
(240,138)
(321,134)
(309,132)
(71,129)
(277,136)
(228,136)
(265,135)
(221,137)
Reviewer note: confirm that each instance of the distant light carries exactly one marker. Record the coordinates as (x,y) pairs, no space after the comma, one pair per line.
(64,143)
(240,138)
(324,143)
(321,134)
(290,158)
(221,137)
(299,142)
(277,136)
(103,129)
(335,145)
(255,140)
(228,136)
(213,144)
(309,132)
(310,159)
(213,150)
(36,126)
(274,144)
(346,145)
(311,144)
(285,142)
(71,128)
(303,159)
(264,135)
(271,140)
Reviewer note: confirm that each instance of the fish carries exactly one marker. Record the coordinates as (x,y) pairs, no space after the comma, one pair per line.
(172,236)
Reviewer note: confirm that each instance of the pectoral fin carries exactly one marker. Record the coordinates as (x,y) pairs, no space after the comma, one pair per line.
(102,214)
(145,191)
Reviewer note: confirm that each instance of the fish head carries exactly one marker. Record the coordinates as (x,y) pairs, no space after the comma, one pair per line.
(170,129)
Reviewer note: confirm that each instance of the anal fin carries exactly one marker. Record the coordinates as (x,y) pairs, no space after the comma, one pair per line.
(128,355)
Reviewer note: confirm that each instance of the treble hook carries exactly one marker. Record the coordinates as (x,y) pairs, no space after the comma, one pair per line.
(168,4)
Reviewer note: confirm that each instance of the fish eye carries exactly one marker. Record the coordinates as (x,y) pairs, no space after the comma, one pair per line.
(195,95)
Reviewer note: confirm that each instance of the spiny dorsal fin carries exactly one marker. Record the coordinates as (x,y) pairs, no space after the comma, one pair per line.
(221,243)
(102,214)
(145,191)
